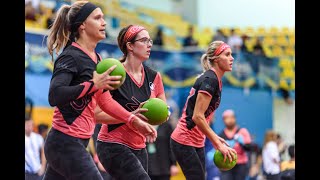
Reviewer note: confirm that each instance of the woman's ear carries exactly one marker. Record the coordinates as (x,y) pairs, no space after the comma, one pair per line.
(129,46)
(82,26)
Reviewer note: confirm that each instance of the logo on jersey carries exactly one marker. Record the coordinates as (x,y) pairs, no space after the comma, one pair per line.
(134,105)
(82,103)
(151,85)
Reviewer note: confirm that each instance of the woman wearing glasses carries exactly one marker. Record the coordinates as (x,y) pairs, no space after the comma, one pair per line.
(121,148)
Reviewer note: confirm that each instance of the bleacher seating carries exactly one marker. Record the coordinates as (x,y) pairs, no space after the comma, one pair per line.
(278,42)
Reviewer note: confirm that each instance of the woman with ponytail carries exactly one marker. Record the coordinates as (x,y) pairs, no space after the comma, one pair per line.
(75,91)
(187,140)
(121,149)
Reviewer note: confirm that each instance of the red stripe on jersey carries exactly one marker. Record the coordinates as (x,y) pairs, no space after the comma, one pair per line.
(205,92)
(112,107)
(85,89)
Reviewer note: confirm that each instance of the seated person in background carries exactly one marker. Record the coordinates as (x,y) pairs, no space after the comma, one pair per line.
(189,41)
(258,49)
(290,164)
(43,130)
(234,41)
(219,36)
(51,18)
(158,39)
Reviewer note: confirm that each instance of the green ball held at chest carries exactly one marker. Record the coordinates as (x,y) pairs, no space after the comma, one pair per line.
(105,64)
(157,111)
(223,166)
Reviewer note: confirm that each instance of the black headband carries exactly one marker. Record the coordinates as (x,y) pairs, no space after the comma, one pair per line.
(82,15)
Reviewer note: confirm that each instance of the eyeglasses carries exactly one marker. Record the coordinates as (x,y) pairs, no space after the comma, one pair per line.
(145,40)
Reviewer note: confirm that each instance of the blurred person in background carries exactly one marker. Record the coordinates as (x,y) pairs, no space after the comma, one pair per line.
(234,41)
(35,161)
(51,18)
(271,156)
(243,47)
(258,48)
(162,163)
(255,172)
(188,138)
(189,40)
(238,138)
(290,164)
(76,89)
(158,39)
(281,145)
(288,167)
(43,130)
(219,36)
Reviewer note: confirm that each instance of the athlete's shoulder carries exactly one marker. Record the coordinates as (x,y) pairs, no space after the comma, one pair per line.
(67,54)
(207,75)
(149,70)
(210,74)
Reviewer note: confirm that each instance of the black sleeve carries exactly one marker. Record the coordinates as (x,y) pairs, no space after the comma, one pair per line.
(209,85)
(60,91)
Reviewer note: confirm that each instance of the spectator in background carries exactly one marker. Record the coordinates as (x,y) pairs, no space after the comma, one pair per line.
(51,18)
(258,49)
(162,163)
(219,36)
(188,40)
(243,46)
(281,146)
(234,41)
(35,161)
(271,156)
(286,96)
(30,12)
(256,162)
(43,130)
(239,139)
(288,167)
(158,39)
(285,165)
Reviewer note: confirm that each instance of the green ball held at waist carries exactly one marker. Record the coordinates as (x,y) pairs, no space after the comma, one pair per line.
(223,166)
(157,111)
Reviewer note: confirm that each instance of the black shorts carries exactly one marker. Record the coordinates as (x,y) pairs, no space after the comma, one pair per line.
(123,163)
(68,158)
(190,159)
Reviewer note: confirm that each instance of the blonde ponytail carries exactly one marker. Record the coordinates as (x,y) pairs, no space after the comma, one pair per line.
(205,62)
(60,31)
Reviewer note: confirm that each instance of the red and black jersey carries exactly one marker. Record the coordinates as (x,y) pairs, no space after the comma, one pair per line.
(75,96)
(129,96)
(187,132)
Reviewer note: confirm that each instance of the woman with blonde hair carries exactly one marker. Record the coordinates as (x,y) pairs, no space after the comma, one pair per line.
(271,156)
(187,140)
(75,91)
